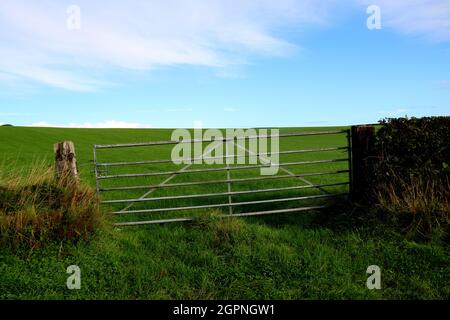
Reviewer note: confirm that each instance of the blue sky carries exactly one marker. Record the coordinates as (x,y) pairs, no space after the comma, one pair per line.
(221,63)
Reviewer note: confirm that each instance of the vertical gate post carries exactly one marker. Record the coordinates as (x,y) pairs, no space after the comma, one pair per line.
(65,160)
(97,185)
(230,199)
(350,163)
(362,142)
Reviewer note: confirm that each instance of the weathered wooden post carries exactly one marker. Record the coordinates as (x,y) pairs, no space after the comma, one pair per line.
(66,162)
(362,140)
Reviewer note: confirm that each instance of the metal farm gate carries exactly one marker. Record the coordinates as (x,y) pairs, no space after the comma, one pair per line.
(150,189)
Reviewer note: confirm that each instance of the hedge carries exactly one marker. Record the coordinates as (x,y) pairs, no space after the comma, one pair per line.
(413,147)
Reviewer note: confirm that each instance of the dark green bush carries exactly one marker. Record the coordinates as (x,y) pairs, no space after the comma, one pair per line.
(418,147)
(410,175)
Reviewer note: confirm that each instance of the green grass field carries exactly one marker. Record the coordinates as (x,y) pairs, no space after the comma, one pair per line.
(289,256)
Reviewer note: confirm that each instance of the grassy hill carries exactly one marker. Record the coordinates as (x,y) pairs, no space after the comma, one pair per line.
(293,256)
(21,146)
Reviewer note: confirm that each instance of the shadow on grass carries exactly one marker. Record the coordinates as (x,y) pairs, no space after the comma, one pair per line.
(339,216)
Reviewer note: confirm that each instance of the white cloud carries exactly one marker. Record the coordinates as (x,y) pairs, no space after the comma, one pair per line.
(14,114)
(230,109)
(394,113)
(105,124)
(444,84)
(178,110)
(6,77)
(119,36)
(36,45)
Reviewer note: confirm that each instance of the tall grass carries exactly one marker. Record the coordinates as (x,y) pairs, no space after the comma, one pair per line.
(36,207)
(421,206)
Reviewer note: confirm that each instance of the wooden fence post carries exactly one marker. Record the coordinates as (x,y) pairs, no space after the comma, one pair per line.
(65,157)
(363,139)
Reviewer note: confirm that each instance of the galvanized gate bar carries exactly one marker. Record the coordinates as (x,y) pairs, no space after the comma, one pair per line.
(268,161)
(221,205)
(150,174)
(169,142)
(133,163)
(230,193)
(230,198)
(99,170)
(245,214)
(187,166)
(185,184)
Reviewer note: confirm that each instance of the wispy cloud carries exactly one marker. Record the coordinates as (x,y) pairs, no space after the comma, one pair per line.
(7,77)
(230,109)
(119,36)
(105,124)
(178,109)
(36,45)
(399,112)
(444,84)
(14,114)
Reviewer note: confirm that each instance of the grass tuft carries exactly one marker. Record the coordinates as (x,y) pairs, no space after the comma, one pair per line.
(225,230)
(420,206)
(36,207)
